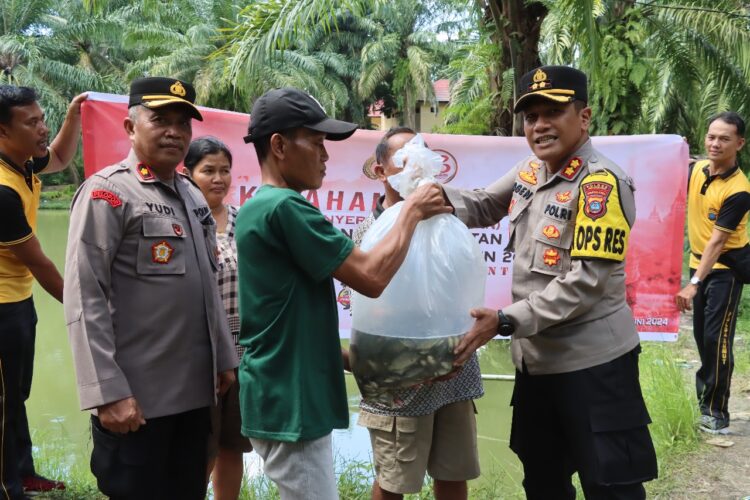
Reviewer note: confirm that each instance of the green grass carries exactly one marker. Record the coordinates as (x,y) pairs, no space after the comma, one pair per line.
(670,400)
(51,459)
(58,198)
(354,481)
(666,388)
(742,336)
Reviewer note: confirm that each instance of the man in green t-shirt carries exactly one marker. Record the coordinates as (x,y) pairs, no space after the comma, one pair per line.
(292,391)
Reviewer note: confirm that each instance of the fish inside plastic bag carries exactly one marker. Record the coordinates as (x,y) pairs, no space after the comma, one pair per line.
(408,334)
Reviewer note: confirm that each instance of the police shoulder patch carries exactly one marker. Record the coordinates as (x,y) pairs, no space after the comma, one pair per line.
(108,196)
(601,229)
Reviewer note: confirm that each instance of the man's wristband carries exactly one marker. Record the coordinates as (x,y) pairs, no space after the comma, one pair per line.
(695,280)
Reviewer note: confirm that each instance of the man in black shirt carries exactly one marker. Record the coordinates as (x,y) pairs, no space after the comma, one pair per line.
(23,154)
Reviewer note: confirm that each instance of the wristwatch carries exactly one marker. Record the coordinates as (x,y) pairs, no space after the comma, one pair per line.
(504,326)
(695,281)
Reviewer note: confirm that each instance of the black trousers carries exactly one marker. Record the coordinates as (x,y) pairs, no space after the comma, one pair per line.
(714,322)
(17,337)
(592,421)
(164,459)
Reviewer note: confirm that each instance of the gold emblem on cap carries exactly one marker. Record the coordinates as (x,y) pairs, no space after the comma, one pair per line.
(539,76)
(178,89)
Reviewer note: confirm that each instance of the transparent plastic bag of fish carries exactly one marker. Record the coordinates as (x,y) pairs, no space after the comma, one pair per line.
(407,335)
(420,166)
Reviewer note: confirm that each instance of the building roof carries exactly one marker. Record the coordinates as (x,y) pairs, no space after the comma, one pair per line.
(375,109)
(441,88)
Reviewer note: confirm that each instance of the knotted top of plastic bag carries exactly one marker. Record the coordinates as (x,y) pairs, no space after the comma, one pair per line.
(420,166)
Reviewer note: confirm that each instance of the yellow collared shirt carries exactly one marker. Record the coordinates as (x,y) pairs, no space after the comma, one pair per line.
(718,201)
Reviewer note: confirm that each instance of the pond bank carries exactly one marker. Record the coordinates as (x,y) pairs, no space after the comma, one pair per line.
(57,197)
(665,379)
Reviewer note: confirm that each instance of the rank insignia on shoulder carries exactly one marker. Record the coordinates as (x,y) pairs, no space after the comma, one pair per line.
(563,196)
(108,196)
(161,252)
(178,229)
(145,172)
(551,257)
(572,168)
(551,232)
(528,177)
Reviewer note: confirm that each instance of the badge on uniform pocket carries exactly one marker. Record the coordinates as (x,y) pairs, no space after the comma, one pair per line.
(551,257)
(161,252)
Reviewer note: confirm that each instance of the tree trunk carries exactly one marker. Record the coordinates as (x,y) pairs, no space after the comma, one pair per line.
(73,172)
(517,25)
(409,112)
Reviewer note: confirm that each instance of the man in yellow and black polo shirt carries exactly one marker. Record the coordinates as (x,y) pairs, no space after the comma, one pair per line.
(23,154)
(718,204)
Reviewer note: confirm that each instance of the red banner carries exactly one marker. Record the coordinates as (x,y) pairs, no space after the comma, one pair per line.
(657,163)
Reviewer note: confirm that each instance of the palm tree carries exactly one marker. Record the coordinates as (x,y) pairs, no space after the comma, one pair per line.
(405,53)
(349,53)
(661,66)
(514,27)
(314,45)
(40,48)
(322,59)
(172,38)
(473,101)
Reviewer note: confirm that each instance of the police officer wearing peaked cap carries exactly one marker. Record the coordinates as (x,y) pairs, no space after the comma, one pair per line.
(148,331)
(577,403)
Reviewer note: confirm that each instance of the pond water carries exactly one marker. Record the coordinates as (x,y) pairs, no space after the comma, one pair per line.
(60,429)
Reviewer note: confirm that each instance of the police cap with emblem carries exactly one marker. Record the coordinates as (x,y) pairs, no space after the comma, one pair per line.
(155,92)
(284,109)
(554,83)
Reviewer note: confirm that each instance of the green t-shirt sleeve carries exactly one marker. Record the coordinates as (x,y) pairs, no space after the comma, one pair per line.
(315,245)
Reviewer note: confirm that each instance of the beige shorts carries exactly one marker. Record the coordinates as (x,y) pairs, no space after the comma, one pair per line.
(443,444)
(225,424)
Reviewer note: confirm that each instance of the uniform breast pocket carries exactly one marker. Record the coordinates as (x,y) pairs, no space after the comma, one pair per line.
(161,249)
(516,209)
(552,246)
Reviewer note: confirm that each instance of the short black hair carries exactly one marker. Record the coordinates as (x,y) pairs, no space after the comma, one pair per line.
(381,150)
(263,144)
(11,97)
(202,147)
(731,118)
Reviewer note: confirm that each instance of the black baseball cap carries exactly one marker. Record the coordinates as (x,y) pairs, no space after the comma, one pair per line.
(155,91)
(284,109)
(554,83)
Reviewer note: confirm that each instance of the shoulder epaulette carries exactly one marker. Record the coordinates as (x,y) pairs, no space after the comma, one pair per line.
(109,171)
(187,177)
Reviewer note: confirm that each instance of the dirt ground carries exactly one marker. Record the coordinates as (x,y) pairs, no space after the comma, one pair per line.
(721,469)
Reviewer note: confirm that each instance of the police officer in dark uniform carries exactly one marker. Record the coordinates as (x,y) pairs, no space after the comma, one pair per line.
(150,339)
(577,402)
